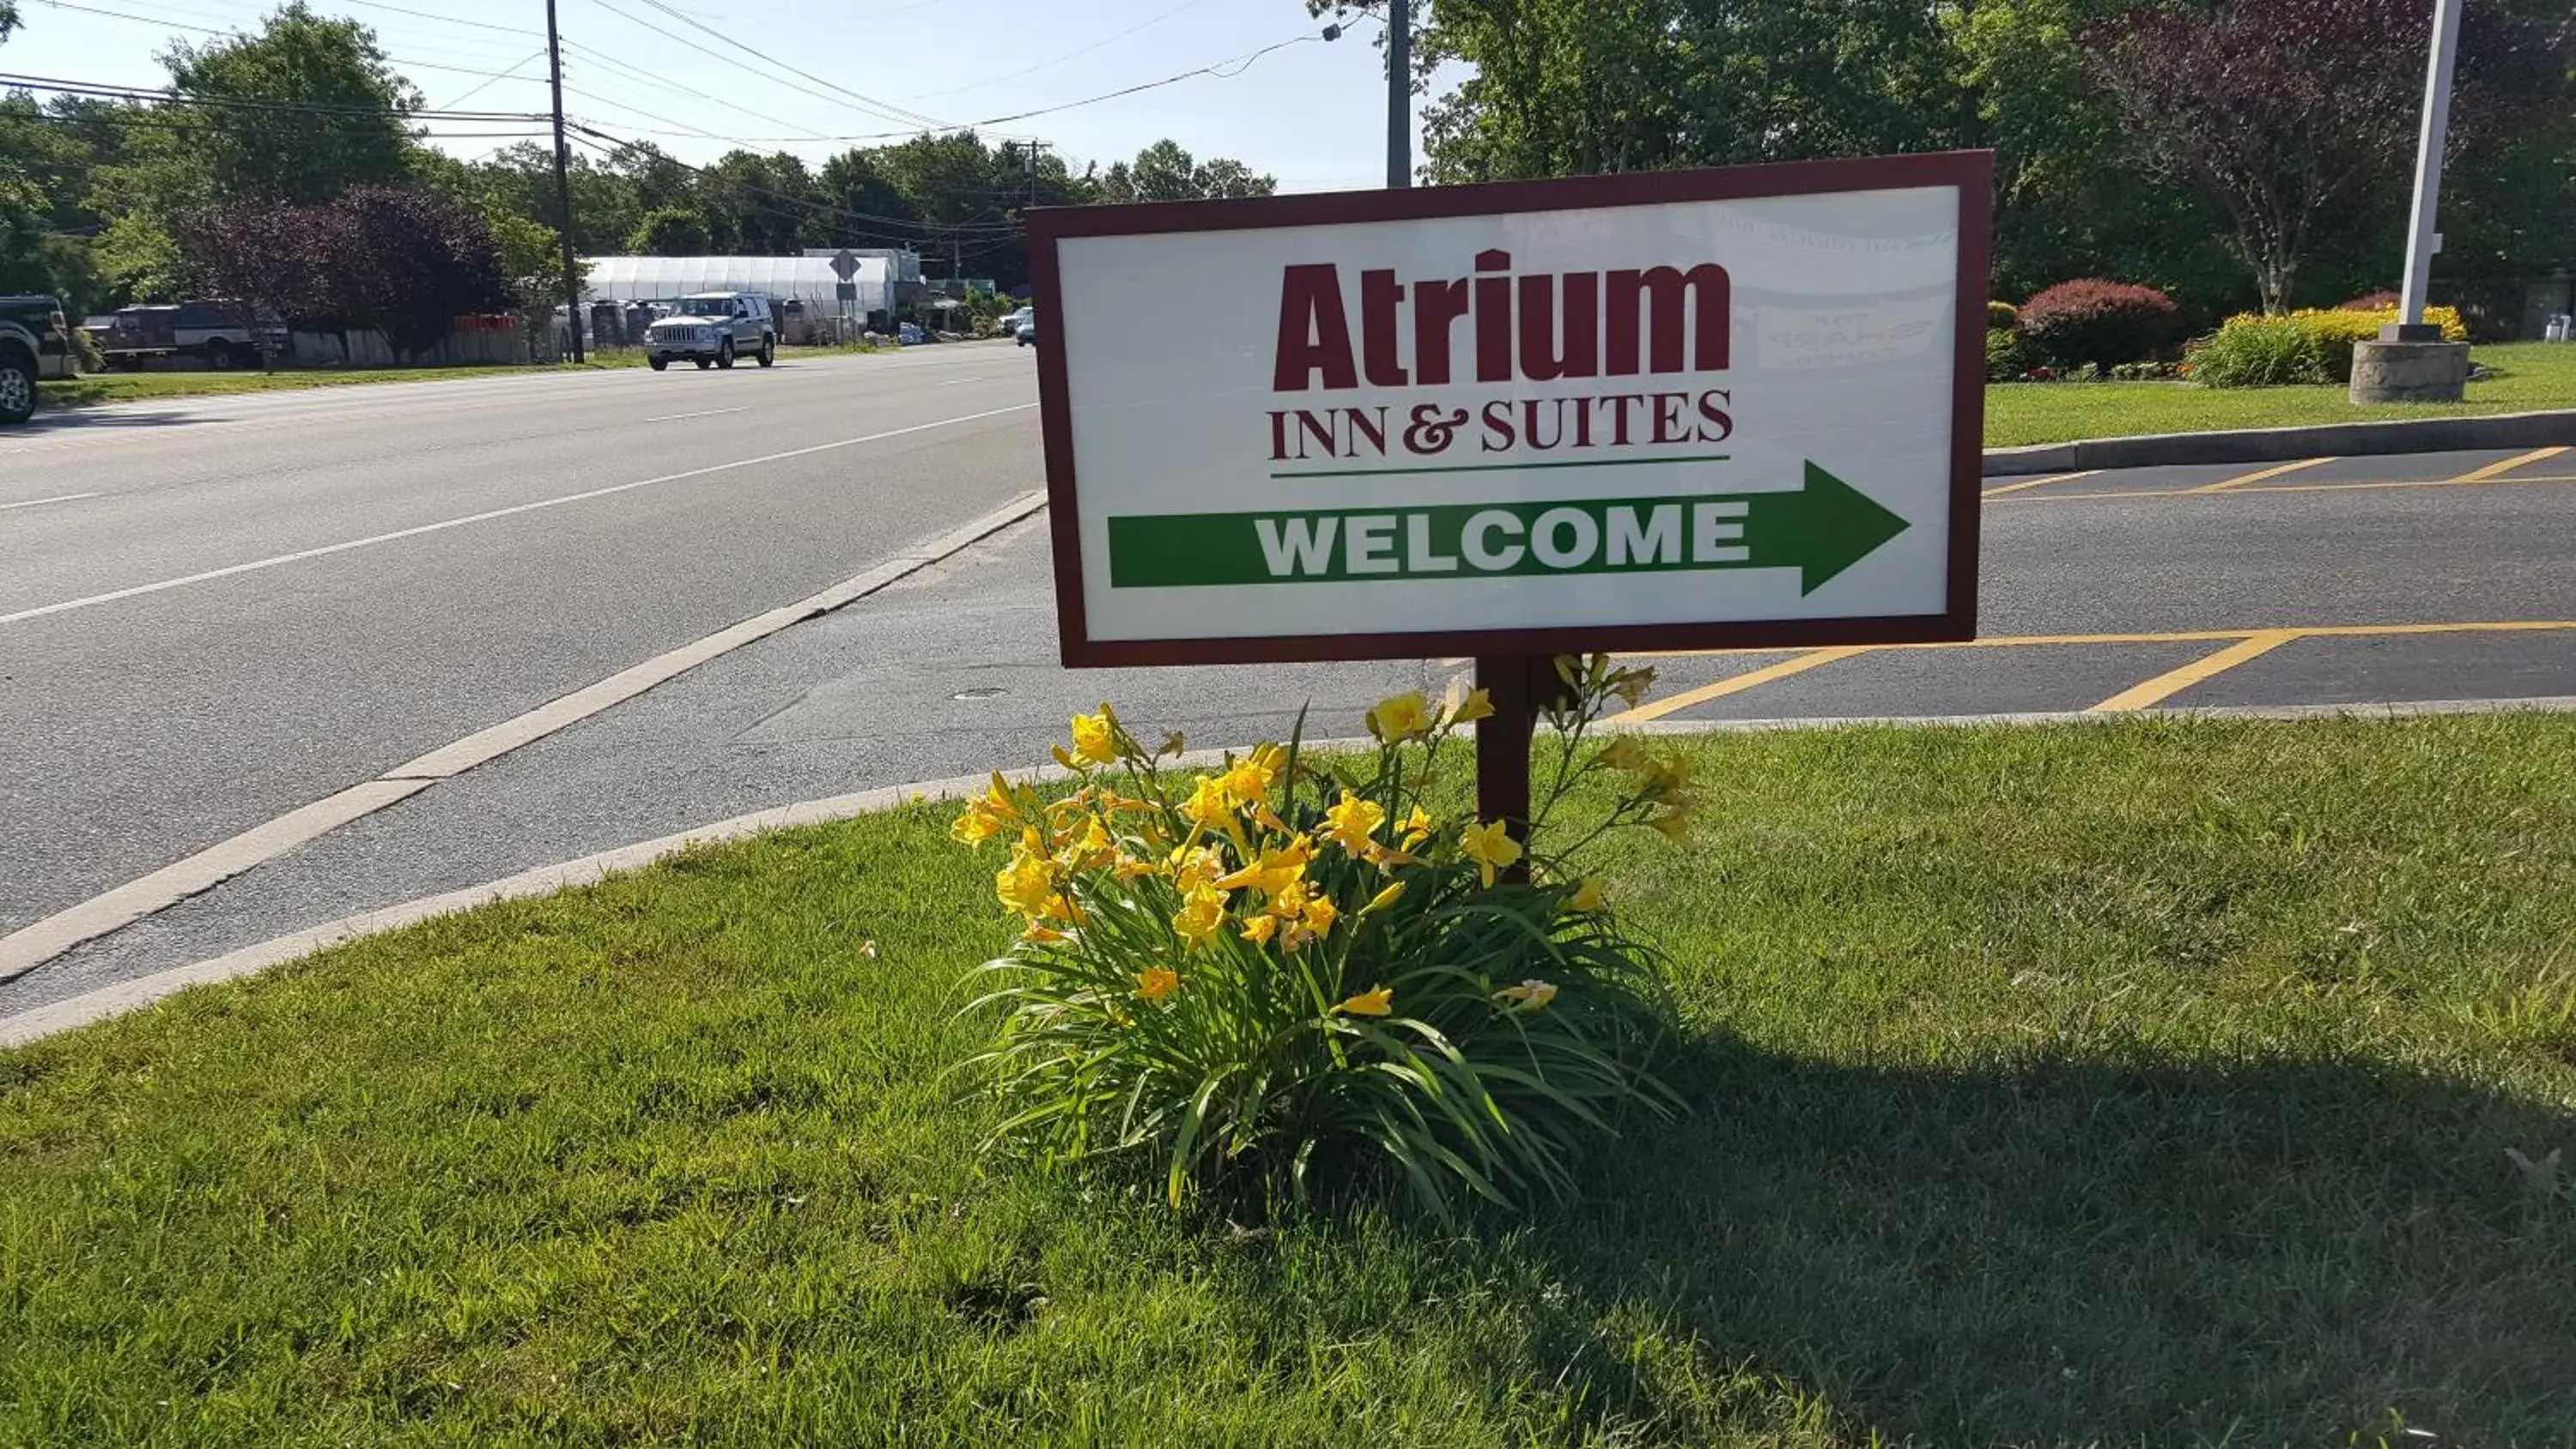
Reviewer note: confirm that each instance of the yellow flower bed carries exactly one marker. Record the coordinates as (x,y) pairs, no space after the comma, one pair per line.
(1295,973)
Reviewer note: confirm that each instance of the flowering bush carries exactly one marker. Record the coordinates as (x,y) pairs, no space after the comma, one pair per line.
(2002,316)
(1293,973)
(2103,323)
(2373,302)
(2310,346)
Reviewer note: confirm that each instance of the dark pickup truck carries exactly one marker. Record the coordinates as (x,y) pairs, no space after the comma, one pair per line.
(35,341)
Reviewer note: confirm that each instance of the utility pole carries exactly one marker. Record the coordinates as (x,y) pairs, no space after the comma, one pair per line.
(563,186)
(2422,240)
(1399,94)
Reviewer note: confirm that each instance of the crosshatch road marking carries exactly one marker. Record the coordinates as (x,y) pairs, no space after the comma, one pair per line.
(2225,484)
(2280,488)
(2498,470)
(2175,681)
(2040,482)
(2243,645)
(1752,679)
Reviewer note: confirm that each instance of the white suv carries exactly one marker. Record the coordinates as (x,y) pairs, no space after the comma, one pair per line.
(712,329)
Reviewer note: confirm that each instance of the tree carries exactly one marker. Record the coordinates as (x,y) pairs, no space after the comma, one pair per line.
(672,231)
(1165,172)
(404,263)
(315,108)
(2285,111)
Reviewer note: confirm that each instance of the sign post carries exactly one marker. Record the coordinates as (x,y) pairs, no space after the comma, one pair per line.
(1736,408)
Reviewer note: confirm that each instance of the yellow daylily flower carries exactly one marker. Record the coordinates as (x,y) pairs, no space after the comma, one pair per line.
(976,826)
(1196,868)
(1156,982)
(1290,900)
(1490,846)
(1587,896)
(1402,717)
(1128,867)
(1209,806)
(1024,884)
(1064,759)
(1530,995)
(1320,914)
(1383,899)
(1247,782)
(1202,912)
(1418,828)
(1624,753)
(1274,871)
(1041,934)
(1368,1003)
(1260,929)
(1095,736)
(1479,704)
(1353,821)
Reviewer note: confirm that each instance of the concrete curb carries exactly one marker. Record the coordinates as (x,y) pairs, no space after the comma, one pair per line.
(2281,445)
(143,991)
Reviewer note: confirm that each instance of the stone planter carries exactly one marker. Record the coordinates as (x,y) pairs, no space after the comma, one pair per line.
(2410,372)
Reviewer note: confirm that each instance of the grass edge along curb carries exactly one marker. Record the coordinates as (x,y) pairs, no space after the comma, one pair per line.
(72,1012)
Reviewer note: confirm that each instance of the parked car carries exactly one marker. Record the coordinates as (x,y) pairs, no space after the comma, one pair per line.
(1027,331)
(35,342)
(224,335)
(711,329)
(1011,323)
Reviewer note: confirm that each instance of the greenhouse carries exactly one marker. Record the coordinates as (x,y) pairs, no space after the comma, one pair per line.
(809,280)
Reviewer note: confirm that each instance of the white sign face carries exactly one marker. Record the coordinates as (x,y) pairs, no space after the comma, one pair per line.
(1332,439)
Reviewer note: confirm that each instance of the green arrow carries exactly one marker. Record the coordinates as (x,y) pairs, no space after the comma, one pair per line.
(1820,530)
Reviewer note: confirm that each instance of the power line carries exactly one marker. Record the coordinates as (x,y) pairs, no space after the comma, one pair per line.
(1218,69)
(865,103)
(1106,40)
(490,81)
(96,91)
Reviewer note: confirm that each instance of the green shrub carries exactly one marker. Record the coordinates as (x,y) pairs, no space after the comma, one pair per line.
(2311,346)
(1288,976)
(2001,316)
(2009,355)
(2089,320)
(2259,352)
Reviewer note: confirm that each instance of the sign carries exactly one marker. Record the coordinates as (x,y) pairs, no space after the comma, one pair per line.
(1711,409)
(846,291)
(845,265)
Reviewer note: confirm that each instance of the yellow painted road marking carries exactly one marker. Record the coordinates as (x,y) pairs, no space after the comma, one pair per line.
(2174,681)
(2036,482)
(2224,484)
(2498,470)
(2299,488)
(2176,636)
(1658,708)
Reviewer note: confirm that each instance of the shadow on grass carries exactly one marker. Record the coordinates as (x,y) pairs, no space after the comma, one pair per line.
(2082,1252)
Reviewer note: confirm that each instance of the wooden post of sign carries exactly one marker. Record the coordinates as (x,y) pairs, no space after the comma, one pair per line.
(1513,683)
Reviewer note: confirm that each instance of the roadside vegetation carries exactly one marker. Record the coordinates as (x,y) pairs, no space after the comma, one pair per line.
(2522,377)
(2141,1082)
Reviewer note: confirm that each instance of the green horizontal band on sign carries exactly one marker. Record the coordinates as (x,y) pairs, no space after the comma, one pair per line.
(1821,529)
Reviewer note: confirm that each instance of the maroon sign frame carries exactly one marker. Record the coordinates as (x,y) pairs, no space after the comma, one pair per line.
(1971,172)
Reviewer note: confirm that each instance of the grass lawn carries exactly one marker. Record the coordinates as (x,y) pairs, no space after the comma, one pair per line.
(2147,1082)
(2528,376)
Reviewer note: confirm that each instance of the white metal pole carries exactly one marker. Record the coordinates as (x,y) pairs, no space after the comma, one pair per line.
(2422,240)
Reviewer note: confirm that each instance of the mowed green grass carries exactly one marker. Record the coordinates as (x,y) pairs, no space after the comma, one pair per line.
(2135,1083)
(2529,376)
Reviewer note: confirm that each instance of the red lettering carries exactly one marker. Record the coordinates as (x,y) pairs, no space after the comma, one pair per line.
(1493,317)
(1668,417)
(1498,424)
(1660,295)
(1362,425)
(1380,295)
(1314,335)
(1716,413)
(1436,306)
(1540,359)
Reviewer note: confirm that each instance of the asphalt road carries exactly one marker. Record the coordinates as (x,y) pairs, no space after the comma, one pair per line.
(134,730)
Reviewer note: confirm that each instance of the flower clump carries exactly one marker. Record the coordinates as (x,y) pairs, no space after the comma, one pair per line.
(1302,971)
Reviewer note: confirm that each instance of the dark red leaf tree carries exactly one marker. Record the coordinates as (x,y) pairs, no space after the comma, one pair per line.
(2288,111)
(400,262)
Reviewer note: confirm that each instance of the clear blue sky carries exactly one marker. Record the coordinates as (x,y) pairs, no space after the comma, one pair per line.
(1311,114)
